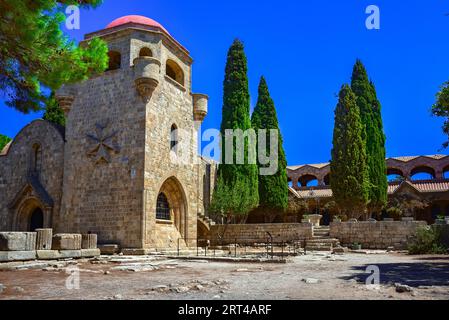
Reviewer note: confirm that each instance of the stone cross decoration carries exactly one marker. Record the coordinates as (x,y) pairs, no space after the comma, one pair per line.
(104,143)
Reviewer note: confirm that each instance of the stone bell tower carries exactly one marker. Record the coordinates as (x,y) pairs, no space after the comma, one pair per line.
(120,180)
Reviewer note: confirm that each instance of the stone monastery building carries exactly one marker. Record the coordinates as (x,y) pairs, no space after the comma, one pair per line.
(110,170)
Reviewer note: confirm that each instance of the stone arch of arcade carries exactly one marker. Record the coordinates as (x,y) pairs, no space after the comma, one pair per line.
(302,176)
(434,167)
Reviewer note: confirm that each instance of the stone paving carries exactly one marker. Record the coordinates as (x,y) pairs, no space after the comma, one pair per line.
(313,276)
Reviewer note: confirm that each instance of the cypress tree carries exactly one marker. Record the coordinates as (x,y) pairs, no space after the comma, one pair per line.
(349,172)
(53,112)
(4,140)
(273,189)
(370,114)
(241,178)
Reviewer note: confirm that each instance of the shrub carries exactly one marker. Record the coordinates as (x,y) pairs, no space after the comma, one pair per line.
(427,241)
(394,212)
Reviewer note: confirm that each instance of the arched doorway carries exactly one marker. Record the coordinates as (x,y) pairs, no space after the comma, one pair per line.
(31,215)
(36,220)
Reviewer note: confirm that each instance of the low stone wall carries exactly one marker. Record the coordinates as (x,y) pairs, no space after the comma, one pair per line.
(376,234)
(254,233)
(42,245)
(443,231)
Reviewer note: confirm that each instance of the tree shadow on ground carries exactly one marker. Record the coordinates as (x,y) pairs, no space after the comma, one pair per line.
(442,258)
(412,274)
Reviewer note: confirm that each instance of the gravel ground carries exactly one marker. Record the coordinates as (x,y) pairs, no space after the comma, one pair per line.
(314,276)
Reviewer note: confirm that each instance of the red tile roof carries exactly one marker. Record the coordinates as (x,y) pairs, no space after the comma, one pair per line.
(425,186)
(403,159)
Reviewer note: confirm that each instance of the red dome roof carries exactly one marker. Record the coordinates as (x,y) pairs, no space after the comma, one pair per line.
(135,19)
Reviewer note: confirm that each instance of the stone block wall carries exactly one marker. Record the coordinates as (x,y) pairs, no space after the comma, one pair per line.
(17,241)
(104,172)
(376,234)
(444,233)
(19,194)
(40,245)
(105,197)
(253,233)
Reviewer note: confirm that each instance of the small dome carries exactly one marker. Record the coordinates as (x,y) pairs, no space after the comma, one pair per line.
(137,20)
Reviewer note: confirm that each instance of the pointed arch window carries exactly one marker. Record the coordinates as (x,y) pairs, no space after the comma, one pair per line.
(162,208)
(36,158)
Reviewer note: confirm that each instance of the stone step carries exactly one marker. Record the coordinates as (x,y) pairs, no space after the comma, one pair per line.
(207,220)
(323,241)
(322,234)
(319,238)
(319,248)
(191,252)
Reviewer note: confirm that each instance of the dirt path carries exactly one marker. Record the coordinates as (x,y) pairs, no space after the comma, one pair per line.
(305,277)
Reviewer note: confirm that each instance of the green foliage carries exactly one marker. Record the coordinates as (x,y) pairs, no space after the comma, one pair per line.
(427,241)
(54,113)
(349,172)
(4,140)
(82,3)
(35,54)
(406,204)
(394,213)
(229,199)
(441,108)
(240,178)
(370,114)
(273,189)
(296,205)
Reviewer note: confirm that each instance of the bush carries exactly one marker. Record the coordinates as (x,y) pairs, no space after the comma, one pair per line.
(394,212)
(427,241)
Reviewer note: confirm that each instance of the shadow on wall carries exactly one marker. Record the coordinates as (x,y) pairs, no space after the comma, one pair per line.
(435,273)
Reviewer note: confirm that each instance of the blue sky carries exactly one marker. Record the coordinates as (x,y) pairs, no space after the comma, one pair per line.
(306,50)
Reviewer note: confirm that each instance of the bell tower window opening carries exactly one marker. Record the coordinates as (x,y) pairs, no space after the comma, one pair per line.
(174,71)
(145,52)
(115,60)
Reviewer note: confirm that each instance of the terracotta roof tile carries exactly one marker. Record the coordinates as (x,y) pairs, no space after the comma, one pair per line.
(420,186)
(318,193)
(431,186)
(410,158)
(403,159)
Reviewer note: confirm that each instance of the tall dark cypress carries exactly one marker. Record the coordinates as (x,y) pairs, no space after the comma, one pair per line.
(241,178)
(273,189)
(370,114)
(349,172)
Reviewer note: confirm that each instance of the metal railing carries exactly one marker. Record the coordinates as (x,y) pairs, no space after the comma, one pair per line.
(244,247)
